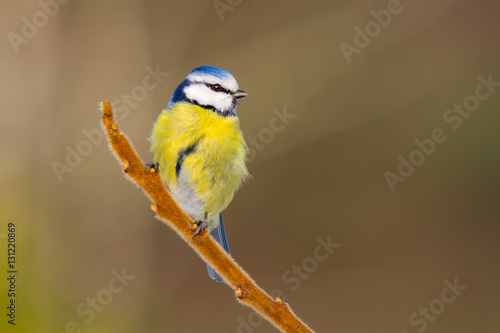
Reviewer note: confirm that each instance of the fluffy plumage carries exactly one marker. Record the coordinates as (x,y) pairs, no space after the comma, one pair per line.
(201,156)
(199,146)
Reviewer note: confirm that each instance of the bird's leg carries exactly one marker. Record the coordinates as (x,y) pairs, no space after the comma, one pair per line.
(202,225)
(152,165)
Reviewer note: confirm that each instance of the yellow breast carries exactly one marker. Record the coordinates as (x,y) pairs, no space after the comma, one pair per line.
(205,149)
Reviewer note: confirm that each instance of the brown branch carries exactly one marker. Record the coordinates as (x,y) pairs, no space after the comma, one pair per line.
(247,292)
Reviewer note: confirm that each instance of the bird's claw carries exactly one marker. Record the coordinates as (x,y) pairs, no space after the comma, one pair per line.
(152,165)
(202,225)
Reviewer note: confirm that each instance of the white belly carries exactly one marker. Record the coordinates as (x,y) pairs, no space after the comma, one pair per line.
(187,198)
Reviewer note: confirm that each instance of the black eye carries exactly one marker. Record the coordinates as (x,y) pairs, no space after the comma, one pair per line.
(216,87)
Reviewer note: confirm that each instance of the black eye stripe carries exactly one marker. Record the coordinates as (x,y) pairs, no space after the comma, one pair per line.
(218,88)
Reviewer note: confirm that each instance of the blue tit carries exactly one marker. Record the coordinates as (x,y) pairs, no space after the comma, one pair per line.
(200,148)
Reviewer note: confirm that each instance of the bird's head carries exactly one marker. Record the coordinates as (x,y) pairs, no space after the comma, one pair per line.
(209,87)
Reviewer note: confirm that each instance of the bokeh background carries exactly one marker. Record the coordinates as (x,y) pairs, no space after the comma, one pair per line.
(320,175)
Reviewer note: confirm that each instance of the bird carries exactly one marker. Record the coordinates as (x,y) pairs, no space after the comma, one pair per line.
(199,148)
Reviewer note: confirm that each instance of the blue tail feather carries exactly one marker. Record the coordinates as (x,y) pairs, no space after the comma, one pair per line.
(219,234)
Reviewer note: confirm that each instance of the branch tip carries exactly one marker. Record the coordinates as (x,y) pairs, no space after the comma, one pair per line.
(106,108)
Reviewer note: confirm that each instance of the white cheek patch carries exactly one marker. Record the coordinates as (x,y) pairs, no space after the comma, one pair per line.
(203,95)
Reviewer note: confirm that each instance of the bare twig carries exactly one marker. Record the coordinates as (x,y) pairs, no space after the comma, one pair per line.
(167,210)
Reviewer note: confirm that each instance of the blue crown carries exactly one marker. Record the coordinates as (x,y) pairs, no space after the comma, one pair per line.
(211,70)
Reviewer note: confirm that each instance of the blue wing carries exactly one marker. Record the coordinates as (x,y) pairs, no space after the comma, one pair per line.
(220,236)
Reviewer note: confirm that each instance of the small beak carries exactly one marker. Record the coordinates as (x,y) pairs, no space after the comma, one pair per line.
(240,94)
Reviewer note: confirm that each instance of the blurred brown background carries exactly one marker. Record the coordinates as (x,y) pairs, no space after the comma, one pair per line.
(318,175)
